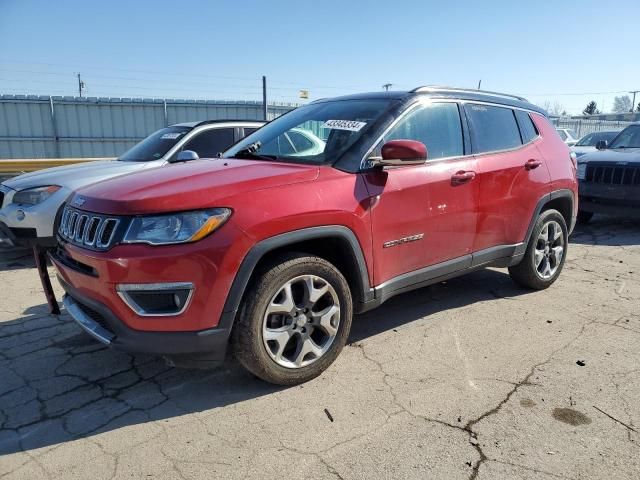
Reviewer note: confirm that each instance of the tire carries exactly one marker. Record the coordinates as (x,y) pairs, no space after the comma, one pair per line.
(540,266)
(293,343)
(584,217)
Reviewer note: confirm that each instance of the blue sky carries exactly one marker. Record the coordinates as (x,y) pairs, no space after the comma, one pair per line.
(219,49)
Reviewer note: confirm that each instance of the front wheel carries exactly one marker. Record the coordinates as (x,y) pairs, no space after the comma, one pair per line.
(294,321)
(545,254)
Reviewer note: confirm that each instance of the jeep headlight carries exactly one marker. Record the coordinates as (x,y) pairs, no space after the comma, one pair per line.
(582,171)
(176,227)
(34,196)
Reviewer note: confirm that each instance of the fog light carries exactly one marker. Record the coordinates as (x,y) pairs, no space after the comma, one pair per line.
(20,215)
(156,299)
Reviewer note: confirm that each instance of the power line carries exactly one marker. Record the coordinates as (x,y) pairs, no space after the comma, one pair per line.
(569,94)
(254,80)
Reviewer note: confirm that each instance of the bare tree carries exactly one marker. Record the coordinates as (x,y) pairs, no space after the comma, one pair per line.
(622,104)
(557,109)
(546,105)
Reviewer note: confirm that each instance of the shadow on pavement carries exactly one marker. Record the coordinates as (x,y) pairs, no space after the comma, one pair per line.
(611,231)
(16,258)
(58,384)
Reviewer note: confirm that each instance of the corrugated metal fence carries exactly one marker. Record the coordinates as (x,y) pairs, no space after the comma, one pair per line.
(582,126)
(72,127)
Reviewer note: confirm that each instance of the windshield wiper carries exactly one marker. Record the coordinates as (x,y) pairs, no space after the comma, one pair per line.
(251,152)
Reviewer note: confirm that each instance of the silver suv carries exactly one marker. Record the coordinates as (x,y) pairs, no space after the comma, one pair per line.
(29,203)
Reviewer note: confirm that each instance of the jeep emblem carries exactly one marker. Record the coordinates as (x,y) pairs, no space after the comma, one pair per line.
(79,201)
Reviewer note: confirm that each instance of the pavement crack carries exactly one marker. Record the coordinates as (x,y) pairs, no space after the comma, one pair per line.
(531,469)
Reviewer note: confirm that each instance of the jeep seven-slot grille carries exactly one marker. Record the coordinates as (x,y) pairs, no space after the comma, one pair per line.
(86,229)
(613,174)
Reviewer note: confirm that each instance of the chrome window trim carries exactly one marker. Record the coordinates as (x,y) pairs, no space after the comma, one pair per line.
(430,100)
(123,290)
(505,150)
(420,102)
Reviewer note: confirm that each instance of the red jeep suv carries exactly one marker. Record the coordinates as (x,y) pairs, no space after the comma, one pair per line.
(271,249)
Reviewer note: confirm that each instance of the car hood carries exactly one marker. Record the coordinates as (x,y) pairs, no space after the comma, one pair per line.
(74,176)
(579,151)
(616,156)
(188,186)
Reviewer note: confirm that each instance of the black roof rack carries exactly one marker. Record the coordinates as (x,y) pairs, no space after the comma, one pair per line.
(225,120)
(433,88)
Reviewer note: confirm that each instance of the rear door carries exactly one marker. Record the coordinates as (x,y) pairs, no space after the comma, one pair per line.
(512,176)
(422,215)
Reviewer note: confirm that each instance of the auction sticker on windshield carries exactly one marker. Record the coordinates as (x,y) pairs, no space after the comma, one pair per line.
(350,125)
(170,136)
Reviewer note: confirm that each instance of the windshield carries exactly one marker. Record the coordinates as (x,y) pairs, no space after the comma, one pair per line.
(628,138)
(155,145)
(590,139)
(316,133)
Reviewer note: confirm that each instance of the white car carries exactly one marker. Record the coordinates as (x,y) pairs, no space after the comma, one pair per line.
(568,136)
(29,203)
(588,143)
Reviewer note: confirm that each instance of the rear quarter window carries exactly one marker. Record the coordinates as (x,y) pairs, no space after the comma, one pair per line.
(528,130)
(492,128)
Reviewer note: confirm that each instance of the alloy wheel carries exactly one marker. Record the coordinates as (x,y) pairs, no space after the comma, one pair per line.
(549,250)
(301,321)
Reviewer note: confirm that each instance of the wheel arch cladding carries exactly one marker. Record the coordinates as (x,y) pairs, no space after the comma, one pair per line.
(334,243)
(561,200)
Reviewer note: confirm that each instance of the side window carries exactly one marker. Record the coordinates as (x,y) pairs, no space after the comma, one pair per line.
(492,128)
(248,131)
(527,128)
(437,125)
(211,142)
(300,142)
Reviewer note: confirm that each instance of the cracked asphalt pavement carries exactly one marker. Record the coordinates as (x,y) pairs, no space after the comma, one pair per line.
(472,378)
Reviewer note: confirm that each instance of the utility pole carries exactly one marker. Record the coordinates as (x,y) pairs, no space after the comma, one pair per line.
(80,85)
(264,98)
(386,86)
(633,102)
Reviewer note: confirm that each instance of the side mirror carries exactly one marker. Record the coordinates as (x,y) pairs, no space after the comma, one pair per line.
(185,156)
(402,152)
(601,145)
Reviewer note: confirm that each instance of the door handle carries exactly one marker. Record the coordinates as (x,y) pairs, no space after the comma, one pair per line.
(462,177)
(531,164)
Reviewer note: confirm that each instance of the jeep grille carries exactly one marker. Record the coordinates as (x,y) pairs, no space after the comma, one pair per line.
(85,229)
(613,174)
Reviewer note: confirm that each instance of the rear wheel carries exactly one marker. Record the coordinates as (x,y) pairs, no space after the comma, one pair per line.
(295,320)
(545,254)
(584,217)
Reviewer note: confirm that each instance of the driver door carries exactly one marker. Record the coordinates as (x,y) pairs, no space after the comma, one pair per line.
(424,215)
